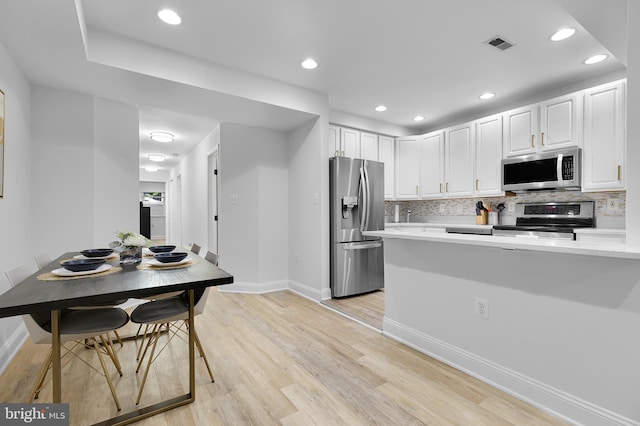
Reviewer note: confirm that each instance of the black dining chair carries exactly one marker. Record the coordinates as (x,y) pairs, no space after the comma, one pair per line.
(86,328)
(173,314)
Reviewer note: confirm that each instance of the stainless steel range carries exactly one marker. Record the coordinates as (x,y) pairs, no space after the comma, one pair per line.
(549,220)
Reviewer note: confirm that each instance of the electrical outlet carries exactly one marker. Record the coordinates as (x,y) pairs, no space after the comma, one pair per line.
(511,207)
(297,257)
(612,204)
(481,307)
(233,199)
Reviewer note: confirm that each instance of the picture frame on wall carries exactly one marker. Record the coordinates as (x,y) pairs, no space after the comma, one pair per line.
(2,115)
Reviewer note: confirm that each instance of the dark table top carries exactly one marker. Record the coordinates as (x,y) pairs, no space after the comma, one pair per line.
(33,295)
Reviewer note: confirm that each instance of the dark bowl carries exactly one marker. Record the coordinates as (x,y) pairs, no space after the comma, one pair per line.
(170,257)
(79,265)
(100,252)
(162,249)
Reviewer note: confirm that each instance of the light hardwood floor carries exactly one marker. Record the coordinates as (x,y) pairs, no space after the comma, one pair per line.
(281,359)
(368,308)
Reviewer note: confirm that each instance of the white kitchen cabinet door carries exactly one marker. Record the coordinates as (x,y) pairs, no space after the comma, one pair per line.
(559,123)
(520,129)
(488,156)
(604,138)
(386,155)
(432,165)
(350,142)
(368,146)
(458,168)
(334,141)
(408,168)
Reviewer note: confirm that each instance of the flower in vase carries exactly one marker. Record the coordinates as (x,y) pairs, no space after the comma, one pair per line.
(128,240)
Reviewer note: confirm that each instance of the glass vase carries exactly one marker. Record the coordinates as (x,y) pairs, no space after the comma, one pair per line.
(131,256)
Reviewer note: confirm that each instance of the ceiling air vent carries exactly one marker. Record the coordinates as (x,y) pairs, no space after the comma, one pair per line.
(500,43)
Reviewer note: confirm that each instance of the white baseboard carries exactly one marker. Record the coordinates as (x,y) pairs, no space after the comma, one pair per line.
(541,395)
(12,346)
(306,291)
(254,288)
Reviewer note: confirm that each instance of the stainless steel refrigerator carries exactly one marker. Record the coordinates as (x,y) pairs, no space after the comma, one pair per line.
(356,205)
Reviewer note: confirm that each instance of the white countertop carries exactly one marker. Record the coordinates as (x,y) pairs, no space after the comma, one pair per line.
(620,251)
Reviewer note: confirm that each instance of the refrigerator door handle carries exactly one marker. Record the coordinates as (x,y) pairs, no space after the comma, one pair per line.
(364,187)
(362,246)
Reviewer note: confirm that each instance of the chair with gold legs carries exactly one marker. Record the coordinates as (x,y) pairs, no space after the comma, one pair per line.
(172,313)
(75,326)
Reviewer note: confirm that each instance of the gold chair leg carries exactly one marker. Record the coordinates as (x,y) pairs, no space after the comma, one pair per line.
(106,372)
(118,337)
(35,392)
(204,356)
(156,328)
(111,351)
(144,336)
(154,336)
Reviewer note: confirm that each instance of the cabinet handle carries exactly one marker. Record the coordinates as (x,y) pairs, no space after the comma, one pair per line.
(417,191)
(533,143)
(542,137)
(447,187)
(441,188)
(337,153)
(477,180)
(619,172)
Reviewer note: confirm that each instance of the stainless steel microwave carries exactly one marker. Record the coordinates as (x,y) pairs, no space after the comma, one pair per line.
(553,170)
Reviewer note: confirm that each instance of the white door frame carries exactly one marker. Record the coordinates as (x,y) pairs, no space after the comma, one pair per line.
(212,210)
(175,212)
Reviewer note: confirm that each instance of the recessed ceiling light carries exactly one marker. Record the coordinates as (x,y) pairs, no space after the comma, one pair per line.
(380,108)
(487,95)
(151,168)
(309,64)
(595,59)
(562,34)
(169,16)
(157,157)
(418,118)
(161,136)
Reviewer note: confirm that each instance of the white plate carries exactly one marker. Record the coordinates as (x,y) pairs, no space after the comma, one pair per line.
(61,272)
(111,256)
(156,262)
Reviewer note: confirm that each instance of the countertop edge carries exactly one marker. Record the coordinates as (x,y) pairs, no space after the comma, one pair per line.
(617,251)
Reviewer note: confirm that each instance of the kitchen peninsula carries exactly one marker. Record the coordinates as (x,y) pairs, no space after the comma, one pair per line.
(535,318)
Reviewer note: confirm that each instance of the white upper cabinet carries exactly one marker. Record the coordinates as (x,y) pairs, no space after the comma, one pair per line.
(350,142)
(604,138)
(432,165)
(488,156)
(549,125)
(560,122)
(369,146)
(386,155)
(520,129)
(334,141)
(408,176)
(458,170)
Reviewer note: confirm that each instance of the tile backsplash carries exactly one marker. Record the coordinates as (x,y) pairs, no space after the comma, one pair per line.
(462,210)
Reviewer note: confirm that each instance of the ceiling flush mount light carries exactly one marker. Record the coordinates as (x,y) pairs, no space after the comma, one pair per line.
(151,169)
(595,59)
(380,108)
(161,136)
(487,95)
(169,16)
(418,118)
(309,64)
(562,34)
(157,157)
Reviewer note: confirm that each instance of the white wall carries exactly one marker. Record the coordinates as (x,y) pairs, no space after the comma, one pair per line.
(633,124)
(15,207)
(253,232)
(85,170)
(308,218)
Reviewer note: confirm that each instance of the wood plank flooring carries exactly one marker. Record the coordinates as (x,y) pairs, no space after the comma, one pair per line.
(368,308)
(281,359)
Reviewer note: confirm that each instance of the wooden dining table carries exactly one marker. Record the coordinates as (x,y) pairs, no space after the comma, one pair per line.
(38,294)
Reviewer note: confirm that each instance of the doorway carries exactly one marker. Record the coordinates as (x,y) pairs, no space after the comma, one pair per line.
(175,201)
(213,202)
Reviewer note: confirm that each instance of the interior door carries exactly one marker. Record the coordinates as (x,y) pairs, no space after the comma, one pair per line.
(213,203)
